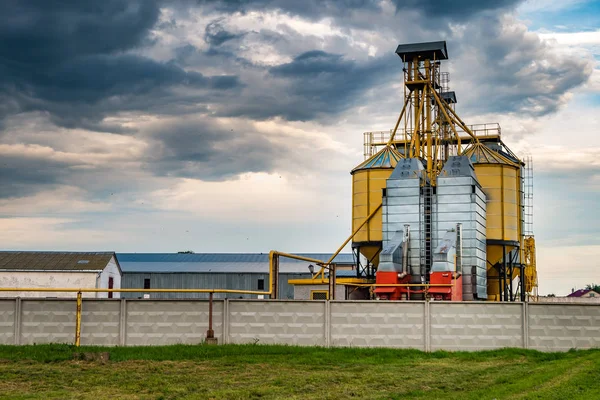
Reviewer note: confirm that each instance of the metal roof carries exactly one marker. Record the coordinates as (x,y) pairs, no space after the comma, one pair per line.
(479,153)
(54,261)
(387,157)
(428,50)
(449,97)
(217,262)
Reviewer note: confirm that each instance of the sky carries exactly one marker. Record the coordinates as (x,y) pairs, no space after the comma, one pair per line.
(232,126)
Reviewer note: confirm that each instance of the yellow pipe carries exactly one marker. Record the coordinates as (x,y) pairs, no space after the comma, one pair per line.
(398,122)
(460,121)
(353,234)
(78,320)
(234,291)
(72,290)
(443,108)
(296,257)
(399,284)
(416,134)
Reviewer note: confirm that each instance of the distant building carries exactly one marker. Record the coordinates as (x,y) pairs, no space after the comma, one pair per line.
(584,293)
(347,287)
(243,271)
(576,296)
(32,269)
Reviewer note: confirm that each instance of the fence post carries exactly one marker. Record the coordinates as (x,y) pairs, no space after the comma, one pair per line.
(18,321)
(78,321)
(327,323)
(525,325)
(427,323)
(225,320)
(123,323)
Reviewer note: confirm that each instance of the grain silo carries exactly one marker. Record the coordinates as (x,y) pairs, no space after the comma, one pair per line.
(448,178)
(368,180)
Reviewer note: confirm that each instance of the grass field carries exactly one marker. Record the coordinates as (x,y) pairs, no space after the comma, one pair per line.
(285,372)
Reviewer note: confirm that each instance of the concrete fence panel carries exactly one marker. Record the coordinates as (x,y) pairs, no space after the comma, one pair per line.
(100,322)
(151,322)
(8,311)
(378,324)
(277,322)
(47,321)
(475,326)
(422,325)
(560,327)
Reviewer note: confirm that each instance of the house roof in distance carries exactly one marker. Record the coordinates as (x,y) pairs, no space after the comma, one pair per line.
(54,261)
(581,292)
(218,262)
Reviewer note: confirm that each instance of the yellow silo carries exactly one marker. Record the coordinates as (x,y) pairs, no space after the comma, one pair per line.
(368,181)
(500,178)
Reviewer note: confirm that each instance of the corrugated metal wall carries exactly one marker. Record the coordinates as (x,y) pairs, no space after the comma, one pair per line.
(246,281)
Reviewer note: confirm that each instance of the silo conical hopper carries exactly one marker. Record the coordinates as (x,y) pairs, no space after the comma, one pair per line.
(368,181)
(500,178)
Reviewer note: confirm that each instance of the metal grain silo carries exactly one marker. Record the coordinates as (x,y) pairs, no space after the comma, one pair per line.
(460,199)
(403,205)
(500,177)
(368,181)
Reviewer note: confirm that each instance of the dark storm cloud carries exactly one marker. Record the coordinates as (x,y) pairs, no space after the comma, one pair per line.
(199,148)
(514,70)
(68,59)
(305,8)
(457,10)
(314,84)
(38,31)
(215,34)
(23,175)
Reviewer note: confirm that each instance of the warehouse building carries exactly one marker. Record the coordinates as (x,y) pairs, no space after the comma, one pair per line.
(52,270)
(243,271)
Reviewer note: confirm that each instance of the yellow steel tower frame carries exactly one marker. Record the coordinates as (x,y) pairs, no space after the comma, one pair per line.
(427,117)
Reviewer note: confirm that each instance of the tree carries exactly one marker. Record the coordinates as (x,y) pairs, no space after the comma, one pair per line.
(595,287)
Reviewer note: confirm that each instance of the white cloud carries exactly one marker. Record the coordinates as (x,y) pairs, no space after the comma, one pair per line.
(578,39)
(548,5)
(59,201)
(48,233)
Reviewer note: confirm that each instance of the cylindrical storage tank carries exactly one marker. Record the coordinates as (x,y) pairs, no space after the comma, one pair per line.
(368,181)
(500,179)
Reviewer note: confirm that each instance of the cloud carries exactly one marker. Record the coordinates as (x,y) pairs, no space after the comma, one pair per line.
(459,10)
(216,34)
(202,148)
(514,70)
(314,85)
(71,61)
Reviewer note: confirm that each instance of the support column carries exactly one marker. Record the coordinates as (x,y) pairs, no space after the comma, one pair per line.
(226,321)
(123,323)
(17,319)
(525,323)
(327,323)
(427,325)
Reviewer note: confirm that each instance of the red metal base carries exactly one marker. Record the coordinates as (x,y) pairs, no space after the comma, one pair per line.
(390,292)
(452,293)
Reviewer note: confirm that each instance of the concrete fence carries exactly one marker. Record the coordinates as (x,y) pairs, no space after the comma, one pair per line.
(427,326)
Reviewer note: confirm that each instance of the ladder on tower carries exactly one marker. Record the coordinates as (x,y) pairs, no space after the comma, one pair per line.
(426,204)
(528,195)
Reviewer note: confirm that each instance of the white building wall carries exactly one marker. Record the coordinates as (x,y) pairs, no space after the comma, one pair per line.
(591,300)
(111,271)
(302,292)
(50,279)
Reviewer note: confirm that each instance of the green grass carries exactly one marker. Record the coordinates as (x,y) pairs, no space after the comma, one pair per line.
(288,372)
